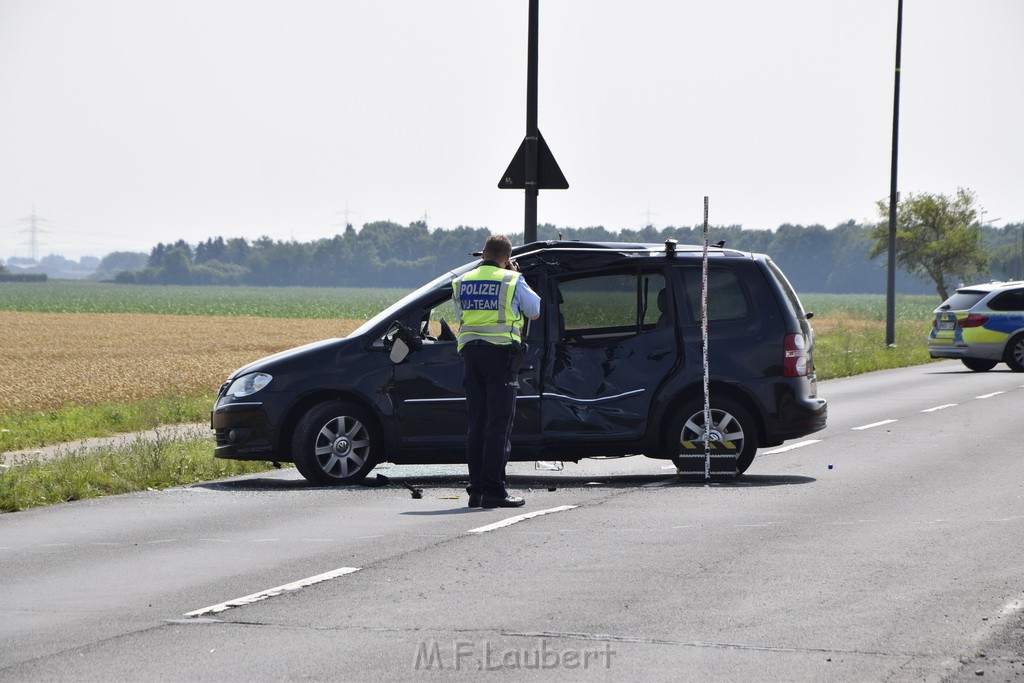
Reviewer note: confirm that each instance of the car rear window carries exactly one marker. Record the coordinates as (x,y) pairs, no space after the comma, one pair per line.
(787,288)
(963,300)
(727,299)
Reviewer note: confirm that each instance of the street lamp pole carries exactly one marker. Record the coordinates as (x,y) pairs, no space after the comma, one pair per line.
(890,294)
(533,167)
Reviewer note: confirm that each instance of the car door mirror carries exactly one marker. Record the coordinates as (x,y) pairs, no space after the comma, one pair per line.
(400,342)
(399,351)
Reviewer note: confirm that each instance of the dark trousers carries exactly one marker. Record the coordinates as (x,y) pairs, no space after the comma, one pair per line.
(491,404)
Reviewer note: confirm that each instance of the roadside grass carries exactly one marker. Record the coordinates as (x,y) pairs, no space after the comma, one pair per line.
(136,466)
(21,431)
(849,333)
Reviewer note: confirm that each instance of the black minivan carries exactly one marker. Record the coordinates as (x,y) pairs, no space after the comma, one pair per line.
(614,367)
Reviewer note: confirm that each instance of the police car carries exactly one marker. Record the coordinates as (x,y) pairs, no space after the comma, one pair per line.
(982,325)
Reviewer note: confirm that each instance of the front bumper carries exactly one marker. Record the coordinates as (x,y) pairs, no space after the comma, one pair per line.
(242,431)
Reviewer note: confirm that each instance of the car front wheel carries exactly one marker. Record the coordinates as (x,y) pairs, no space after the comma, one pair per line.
(979,365)
(730,422)
(1015,353)
(335,443)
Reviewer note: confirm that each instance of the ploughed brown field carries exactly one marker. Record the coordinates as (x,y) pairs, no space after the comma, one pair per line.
(53,359)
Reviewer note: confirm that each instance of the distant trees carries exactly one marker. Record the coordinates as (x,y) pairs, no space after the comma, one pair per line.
(8,276)
(937,238)
(815,258)
(119,261)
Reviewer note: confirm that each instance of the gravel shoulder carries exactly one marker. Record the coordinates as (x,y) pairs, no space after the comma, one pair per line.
(198,429)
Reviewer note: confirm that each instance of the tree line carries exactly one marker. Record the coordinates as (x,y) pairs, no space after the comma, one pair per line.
(8,276)
(387,254)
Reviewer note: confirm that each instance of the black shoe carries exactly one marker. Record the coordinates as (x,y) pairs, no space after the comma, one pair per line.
(474,500)
(488,500)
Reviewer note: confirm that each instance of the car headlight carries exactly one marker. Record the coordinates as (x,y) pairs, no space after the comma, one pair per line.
(247,385)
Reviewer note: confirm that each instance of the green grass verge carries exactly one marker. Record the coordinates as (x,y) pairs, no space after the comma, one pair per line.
(139,465)
(21,431)
(848,351)
(850,332)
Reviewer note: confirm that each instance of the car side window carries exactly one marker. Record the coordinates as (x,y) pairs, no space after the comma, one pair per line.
(612,305)
(727,299)
(439,321)
(1012,300)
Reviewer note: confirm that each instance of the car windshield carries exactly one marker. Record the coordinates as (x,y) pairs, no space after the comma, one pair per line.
(962,300)
(391,312)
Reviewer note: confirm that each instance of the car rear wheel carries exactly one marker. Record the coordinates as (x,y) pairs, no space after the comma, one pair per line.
(1015,353)
(335,443)
(730,422)
(978,364)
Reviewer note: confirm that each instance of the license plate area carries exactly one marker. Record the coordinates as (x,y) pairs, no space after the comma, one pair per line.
(947,325)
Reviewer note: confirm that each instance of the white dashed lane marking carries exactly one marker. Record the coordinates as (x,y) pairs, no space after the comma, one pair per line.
(792,446)
(518,518)
(994,393)
(872,425)
(271,592)
(942,407)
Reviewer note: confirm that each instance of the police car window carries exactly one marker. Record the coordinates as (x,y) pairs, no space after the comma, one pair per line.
(619,303)
(727,300)
(1012,300)
(963,300)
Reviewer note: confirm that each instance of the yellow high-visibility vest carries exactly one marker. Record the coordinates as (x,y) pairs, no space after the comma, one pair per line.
(484,299)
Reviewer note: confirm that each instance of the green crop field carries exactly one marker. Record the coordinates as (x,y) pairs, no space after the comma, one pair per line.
(871,306)
(66,296)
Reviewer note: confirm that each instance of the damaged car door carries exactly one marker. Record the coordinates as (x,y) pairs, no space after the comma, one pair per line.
(616,344)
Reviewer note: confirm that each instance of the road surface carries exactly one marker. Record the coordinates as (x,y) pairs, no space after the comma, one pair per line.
(888,547)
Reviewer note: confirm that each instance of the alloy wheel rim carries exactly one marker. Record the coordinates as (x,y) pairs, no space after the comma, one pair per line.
(724,428)
(342,446)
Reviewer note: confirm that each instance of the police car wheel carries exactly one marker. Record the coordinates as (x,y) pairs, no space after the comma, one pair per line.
(978,364)
(1015,353)
(335,443)
(729,421)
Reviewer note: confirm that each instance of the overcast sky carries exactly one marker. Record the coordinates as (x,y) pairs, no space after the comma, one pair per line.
(131,122)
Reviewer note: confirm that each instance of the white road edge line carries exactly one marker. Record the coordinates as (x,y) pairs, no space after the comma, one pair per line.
(518,518)
(792,446)
(994,393)
(942,407)
(263,595)
(873,424)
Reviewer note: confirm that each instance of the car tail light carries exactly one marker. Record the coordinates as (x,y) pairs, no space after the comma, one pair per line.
(795,362)
(974,320)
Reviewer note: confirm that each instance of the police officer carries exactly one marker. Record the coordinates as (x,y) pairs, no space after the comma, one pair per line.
(491,303)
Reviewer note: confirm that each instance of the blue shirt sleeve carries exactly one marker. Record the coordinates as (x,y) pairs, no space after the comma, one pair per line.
(526,300)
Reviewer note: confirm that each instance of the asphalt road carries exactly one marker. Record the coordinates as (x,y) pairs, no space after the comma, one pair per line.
(888,547)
